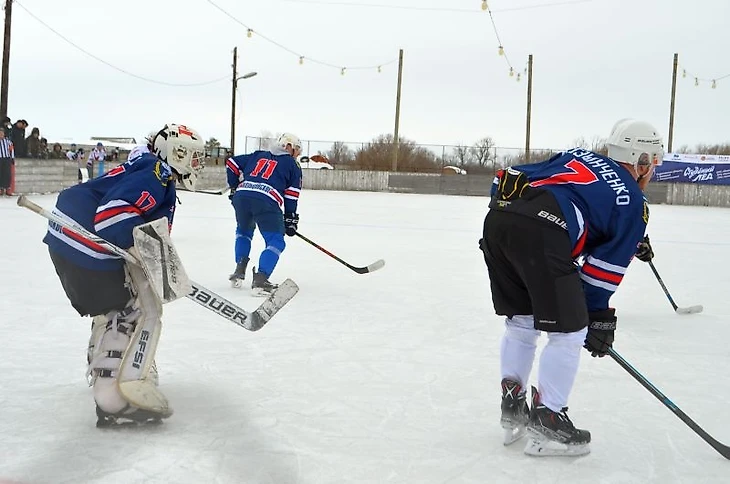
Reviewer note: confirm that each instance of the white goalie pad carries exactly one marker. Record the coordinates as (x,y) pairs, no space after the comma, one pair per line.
(159,258)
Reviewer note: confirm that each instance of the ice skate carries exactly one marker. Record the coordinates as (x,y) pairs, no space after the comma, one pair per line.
(239,274)
(552,433)
(260,286)
(515,412)
(127,417)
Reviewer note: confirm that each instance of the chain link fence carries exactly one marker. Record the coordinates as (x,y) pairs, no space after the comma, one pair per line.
(482,157)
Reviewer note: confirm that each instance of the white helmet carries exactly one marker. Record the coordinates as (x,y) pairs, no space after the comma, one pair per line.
(183,149)
(288,139)
(636,143)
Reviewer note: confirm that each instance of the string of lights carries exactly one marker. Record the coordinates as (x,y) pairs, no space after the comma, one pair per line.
(109,64)
(500,48)
(697,79)
(342,68)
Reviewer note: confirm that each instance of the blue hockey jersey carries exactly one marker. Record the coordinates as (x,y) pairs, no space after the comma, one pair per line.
(605,212)
(265,175)
(111,206)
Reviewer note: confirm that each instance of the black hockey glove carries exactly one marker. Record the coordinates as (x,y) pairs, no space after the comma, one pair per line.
(291,223)
(644,252)
(512,184)
(600,332)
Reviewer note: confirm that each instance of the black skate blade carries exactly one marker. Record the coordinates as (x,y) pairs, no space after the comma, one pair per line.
(138,418)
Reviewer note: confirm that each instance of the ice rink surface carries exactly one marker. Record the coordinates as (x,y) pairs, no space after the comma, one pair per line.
(389,377)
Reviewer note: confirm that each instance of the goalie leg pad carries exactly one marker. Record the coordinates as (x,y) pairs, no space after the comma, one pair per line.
(137,381)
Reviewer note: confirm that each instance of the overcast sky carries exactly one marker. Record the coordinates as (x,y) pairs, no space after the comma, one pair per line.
(456,88)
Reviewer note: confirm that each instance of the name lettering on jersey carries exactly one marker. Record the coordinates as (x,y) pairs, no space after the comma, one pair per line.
(607,172)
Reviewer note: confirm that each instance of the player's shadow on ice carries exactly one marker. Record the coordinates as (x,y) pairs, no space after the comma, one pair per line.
(211,437)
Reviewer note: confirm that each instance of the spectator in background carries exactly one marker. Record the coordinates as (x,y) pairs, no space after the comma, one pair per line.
(98,154)
(71,154)
(33,143)
(57,152)
(44,149)
(17,136)
(81,164)
(7,158)
(7,126)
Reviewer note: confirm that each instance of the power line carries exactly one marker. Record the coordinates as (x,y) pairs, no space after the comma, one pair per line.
(119,69)
(434,9)
(301,57)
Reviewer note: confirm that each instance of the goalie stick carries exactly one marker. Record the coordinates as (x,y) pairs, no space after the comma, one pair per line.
(688,310)
(252,321)
(723,449)
(378,264)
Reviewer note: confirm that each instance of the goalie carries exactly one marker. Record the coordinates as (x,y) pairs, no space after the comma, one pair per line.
(126,309)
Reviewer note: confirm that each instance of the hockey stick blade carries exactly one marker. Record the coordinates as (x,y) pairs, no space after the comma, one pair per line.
(199,294)
(282,295)
(723,449)
(690,310)
(378,264)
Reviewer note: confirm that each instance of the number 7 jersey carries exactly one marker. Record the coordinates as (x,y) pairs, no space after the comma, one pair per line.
(605,212)
(265,175)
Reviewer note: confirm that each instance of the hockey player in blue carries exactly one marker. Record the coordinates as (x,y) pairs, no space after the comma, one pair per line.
(263,183)
(117,295)
(543,219)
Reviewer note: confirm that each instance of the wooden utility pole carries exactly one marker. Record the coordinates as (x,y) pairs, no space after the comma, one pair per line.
(529,108)
(397,111)
(6,60)
(671,104)
(234,80)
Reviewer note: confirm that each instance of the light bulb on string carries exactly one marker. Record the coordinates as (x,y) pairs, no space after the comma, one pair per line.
(249,33)
(485,6)
(684,72)
(380,68)
(518,77)
(342,71)
(301,59)
(511,72)
(714,84)
(697,82)
(501,50)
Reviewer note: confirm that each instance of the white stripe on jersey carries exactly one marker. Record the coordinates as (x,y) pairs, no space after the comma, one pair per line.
(137,151)
(595,282)
(581,221)
(113,220)
(81,247)
(605,265)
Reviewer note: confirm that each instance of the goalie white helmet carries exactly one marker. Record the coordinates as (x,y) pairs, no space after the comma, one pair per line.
(183,149)
(289,139)
(634,142)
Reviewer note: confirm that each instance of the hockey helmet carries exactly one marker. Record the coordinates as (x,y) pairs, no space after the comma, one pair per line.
(634,142)
(183,149)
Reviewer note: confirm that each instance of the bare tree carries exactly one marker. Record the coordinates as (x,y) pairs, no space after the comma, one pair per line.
(461,156)
(482,152)
(340,153)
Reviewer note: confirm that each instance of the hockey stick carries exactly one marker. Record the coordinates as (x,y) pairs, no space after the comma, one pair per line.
(724,450)
(688,310)
(378,264)
(252,321)
(219,191)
